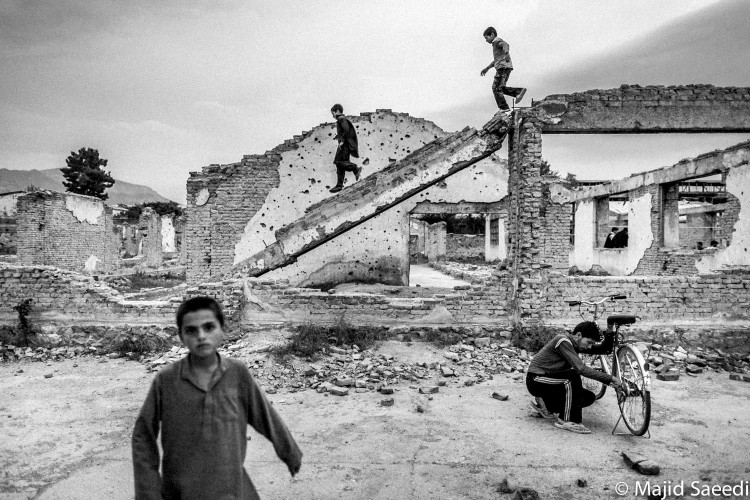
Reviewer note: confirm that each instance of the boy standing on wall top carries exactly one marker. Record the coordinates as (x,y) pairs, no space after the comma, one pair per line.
(347,138)
(503,66)
(201,406)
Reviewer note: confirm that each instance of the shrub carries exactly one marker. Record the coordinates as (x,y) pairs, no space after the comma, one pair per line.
(310,339)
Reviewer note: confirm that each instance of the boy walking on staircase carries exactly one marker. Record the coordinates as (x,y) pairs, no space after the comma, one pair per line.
(503,66)
(346,136)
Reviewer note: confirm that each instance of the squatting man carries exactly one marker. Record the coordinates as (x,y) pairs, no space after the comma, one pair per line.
(554,376)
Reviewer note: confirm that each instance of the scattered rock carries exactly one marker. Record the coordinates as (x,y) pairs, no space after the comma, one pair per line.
(429,390)
(48,375)
(525,494)
(641,464)
(387,402)
(582,483)
(386,390)
(668,376)
(339,391)
(420,408)
(500,397)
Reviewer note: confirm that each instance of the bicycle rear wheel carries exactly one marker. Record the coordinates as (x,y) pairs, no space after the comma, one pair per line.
(635,406)
(597,362)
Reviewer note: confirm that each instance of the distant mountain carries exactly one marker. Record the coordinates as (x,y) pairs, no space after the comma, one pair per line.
(711,45)
(121,192)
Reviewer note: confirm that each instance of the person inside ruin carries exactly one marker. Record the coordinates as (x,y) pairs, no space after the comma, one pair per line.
(609,240)
(554,376)
(503,66)
(714,244)
(202,405)
(699,245)
(620,240)
(346,136)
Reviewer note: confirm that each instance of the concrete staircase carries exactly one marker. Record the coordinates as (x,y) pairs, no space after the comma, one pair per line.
(377,193)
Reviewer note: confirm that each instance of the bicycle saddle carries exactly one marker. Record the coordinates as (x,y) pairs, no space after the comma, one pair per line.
(621,319)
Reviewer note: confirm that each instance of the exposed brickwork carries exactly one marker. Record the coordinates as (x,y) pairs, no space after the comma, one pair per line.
(236,192)
(71,308)
(50,234)
(632,108)
(677,299)
(555,238)
(726,220)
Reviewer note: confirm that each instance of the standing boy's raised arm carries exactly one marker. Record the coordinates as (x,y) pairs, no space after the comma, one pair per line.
(145,448)
(264,419)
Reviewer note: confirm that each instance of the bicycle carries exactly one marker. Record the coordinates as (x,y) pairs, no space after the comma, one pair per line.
(627,362)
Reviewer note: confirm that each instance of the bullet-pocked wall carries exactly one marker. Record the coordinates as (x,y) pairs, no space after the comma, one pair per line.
(66,230)
(234,210)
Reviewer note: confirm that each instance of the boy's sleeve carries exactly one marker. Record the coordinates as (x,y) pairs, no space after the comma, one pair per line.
(264,419)
(145,447)
(565,348)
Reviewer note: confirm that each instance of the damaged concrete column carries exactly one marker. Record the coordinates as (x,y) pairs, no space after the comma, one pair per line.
(671,216)
(434,245)
(150,226)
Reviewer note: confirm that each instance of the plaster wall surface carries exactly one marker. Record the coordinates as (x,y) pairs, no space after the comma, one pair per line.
(307,172)
(614,261)
(167,234)
(736,253)
(85,210)
(377,250)
(8,204)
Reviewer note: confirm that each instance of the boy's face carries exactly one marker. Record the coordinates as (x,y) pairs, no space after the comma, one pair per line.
(336,113)
(489,38)
(201,333)
(583,343)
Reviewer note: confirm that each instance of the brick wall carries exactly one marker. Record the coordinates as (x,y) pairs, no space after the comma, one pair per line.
(235,194)
(656,108)
(50,233)
(7,235)
(726,220)
(705,299)
(83,310)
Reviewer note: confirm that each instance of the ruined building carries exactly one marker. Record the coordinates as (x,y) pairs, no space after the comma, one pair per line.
(261,230)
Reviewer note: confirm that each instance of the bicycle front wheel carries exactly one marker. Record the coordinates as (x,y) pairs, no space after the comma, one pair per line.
(597,362)
(635,402)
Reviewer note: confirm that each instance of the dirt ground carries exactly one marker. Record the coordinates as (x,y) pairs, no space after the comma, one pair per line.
(68,437)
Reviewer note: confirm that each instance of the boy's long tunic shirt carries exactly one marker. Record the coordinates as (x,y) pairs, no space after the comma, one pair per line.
(204,434)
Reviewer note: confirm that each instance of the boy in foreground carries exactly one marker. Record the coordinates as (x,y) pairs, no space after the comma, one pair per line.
(202,405)
(503,66)
(554,376)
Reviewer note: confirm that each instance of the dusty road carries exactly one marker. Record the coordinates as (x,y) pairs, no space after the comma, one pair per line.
(68,437)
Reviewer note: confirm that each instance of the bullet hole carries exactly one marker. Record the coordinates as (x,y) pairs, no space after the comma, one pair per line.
(407,135)
(306,191)
(262,225)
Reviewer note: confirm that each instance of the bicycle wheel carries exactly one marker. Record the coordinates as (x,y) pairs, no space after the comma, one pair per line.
(597,362)
(635,405)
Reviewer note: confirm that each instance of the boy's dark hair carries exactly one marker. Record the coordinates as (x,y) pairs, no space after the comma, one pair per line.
(588,329)
(614,229)
(490,31)
(338,107)
(198,304)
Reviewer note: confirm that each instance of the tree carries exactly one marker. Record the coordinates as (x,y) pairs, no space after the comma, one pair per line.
(161,208)
(84,174)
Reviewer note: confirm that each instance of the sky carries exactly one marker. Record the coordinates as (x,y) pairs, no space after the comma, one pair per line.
(164,88)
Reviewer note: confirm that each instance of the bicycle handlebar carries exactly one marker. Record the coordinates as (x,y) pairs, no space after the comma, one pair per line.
(596,302)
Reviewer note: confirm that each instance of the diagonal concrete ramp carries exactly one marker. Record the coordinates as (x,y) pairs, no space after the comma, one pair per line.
(377,193)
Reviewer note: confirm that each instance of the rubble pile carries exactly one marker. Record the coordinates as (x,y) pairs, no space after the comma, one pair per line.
(345,369)
(668,362)
(339,370)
